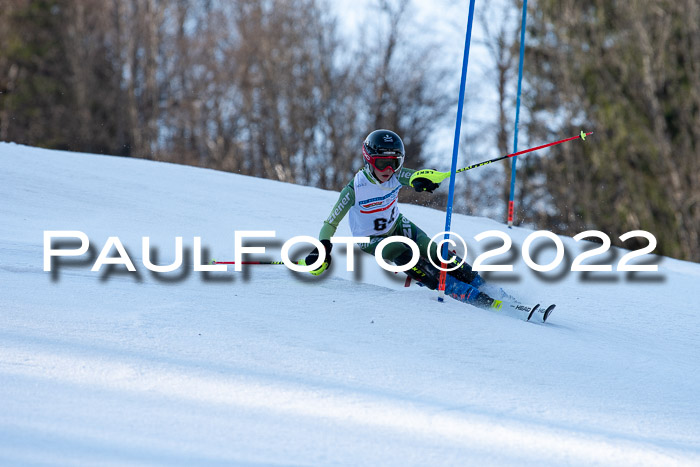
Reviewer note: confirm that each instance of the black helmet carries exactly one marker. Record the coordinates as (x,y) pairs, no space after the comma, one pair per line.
(382,149)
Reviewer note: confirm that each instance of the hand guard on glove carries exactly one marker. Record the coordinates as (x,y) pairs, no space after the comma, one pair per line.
(423,184)
(313,256)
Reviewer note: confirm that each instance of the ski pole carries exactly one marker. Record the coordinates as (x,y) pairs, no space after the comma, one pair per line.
(301,262)
(251,262)
(437,177)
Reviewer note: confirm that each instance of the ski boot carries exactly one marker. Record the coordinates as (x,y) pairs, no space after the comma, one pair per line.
(465,274)
(467,293)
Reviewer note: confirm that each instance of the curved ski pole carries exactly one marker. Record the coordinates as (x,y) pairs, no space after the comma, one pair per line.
(437,177)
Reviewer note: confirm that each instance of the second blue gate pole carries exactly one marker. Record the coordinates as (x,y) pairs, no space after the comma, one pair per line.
(511,203)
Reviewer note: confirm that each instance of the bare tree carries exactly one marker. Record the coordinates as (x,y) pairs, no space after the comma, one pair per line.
(257,87)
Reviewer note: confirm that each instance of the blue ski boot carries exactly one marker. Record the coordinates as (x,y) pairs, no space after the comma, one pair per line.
(490,289)
(466,293)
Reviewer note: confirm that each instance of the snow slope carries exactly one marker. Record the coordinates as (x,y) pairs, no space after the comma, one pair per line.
(268,366)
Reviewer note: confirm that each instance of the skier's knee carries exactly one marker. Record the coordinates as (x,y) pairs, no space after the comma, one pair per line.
(397,253)
(403,258)
(422,271)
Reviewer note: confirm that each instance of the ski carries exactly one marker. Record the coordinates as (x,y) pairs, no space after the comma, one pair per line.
(508,304)
(548,312)
(534,314)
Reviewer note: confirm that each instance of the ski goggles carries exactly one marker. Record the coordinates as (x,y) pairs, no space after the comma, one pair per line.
(381,163)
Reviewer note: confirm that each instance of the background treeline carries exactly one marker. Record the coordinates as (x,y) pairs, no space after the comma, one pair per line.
(630,71)
(263,88)
(274,89)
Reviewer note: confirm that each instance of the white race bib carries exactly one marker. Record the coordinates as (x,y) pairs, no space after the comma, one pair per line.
(376,206)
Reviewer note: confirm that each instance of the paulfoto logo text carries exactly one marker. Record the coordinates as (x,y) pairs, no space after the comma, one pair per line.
(443,240)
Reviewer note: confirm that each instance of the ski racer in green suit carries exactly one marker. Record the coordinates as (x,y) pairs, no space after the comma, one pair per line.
(371,200)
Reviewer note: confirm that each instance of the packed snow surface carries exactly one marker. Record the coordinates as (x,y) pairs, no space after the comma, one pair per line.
(269,366)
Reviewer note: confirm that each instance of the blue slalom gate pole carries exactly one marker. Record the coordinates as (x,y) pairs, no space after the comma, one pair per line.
(511,203)
(455,149)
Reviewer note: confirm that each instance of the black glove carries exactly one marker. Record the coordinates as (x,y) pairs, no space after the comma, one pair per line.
(423,184)
(313,256)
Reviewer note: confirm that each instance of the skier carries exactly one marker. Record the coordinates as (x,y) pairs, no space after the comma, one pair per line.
(371,198)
